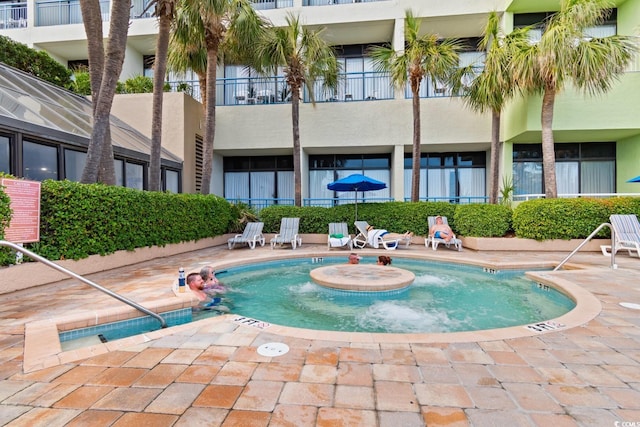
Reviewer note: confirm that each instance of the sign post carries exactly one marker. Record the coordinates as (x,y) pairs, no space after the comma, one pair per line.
(24,226)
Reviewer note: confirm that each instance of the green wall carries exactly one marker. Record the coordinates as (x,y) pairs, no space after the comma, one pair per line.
(628,164)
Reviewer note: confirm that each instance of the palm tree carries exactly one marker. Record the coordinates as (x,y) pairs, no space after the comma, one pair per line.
(165,11)
(306,58)
(423,56)
(104,69)
(188,55)
(216,22)
(566,54)
(492,88)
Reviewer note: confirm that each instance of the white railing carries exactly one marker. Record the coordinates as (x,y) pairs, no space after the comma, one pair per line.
(525,197)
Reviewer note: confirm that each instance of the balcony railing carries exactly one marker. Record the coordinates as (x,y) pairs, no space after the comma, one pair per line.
(366,86)
(13,15)
(331,2)
(271,4)
(58,12)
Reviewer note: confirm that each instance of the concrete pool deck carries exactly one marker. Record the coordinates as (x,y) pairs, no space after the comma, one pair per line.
(209,373)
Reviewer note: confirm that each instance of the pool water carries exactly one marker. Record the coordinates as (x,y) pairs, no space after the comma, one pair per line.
(444,297)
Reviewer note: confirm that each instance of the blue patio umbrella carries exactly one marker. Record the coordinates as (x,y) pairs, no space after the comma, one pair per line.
(356,182)
(636,179)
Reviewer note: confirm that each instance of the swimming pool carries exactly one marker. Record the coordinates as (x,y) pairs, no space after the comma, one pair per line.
(445,297)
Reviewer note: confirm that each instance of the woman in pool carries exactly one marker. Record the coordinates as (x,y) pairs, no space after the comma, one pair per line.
(212,285)
(384,260)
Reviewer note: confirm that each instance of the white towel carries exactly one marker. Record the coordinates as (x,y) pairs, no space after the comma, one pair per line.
(374,237)
(336,242)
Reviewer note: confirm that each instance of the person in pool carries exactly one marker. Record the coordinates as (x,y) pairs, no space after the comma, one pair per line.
(384,260)
(211,284)
(354,258)
(207,302)
(440,230)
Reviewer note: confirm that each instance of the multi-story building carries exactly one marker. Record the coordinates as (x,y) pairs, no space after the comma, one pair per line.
(366,125)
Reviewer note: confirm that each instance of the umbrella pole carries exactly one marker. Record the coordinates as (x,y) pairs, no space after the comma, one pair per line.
(356,204)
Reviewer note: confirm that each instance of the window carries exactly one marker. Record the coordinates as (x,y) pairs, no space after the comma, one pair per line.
(325,169)
(5,153)
(171,181)
(134,176)
(39,161)
(581,168)
(448,176)
(74,164)
(538,22)
(261,180)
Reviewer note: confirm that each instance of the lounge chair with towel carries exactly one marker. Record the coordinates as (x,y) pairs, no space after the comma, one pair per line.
(339,236)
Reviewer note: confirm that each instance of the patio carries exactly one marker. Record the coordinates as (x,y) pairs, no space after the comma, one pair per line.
(210,373)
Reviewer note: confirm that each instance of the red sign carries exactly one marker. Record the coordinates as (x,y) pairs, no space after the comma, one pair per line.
(25,204)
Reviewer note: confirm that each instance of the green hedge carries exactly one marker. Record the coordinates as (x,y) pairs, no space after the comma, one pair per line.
(79,220)
(545,219)
(394,216)
(482,220)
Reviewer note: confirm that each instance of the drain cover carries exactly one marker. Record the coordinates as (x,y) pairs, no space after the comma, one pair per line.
(630,305)
(272,349)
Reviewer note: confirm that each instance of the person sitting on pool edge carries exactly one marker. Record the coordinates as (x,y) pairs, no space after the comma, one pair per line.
(196,285)
(384,260)
(354,258)
(440,230)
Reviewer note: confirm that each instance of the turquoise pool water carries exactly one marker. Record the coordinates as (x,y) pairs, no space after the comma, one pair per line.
(444,298)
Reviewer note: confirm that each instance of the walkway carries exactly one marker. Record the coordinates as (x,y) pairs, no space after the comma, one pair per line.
(211,374)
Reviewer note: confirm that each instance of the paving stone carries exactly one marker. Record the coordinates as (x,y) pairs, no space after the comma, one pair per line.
(142,419)
(437,416)
(307,394)
(355,397)
(127,399)
(92,418)
(83,397)
(395,396)
(340,417)
(294,416)
(218,396)
(175,399)
(259,396)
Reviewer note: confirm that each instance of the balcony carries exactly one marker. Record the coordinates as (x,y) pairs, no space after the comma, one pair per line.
(363,86)
(331,2)
(271,4)
(13,15)
(57,12)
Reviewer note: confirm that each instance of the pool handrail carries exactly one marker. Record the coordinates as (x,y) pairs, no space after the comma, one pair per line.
(55,266)
(585,241)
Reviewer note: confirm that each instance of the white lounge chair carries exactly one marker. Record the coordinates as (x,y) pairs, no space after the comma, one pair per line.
(435,241)
(376,238)
(251,235)
(288,233)
(627,233)
(339,236)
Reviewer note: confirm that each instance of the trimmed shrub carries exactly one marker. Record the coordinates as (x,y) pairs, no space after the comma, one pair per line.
(79,220)
(483,220)
(545,219)
(393,216)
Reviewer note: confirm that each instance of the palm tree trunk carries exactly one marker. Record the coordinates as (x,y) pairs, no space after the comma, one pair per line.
(548,152)
(210,118)
(496,149)
(415,165)
(295,119)
(159,72)
(92,19)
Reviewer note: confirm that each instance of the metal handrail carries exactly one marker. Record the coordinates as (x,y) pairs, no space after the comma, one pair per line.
(585,241)
(55,266)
